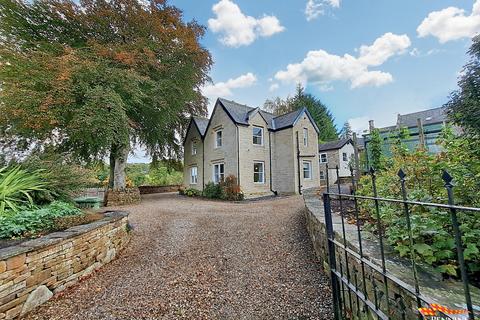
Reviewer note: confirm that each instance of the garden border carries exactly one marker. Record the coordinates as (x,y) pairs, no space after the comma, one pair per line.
(33,271)
(448,293)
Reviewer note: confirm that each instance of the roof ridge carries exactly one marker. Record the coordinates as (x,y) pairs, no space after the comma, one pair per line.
(406,114)
(297,110)
(232,101)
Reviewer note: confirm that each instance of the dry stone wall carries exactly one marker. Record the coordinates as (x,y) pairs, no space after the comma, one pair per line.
(158,189)
(115,198)
(33,271)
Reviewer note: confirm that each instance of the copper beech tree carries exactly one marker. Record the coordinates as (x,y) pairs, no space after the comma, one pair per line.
(92,77)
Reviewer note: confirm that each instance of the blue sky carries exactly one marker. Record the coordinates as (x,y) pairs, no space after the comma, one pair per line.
(402,56)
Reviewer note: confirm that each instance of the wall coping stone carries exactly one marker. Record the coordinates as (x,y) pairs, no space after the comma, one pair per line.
(56,237)
(446,292)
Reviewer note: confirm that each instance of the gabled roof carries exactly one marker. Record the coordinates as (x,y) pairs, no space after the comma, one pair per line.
(334,145)
(202,124)
(240,114)
(287,119)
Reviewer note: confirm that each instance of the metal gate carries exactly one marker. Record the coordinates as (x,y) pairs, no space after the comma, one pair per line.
(360,287)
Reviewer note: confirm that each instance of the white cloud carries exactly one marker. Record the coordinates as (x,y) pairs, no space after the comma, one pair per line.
(415,52)
(322,68)
(451,23)
(359,125)
(274,87)
(224,89)
(316,8)
(238,29)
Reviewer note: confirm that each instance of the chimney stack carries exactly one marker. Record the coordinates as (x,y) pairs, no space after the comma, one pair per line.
(371,125)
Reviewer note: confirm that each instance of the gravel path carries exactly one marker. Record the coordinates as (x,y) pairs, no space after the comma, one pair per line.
(198,259)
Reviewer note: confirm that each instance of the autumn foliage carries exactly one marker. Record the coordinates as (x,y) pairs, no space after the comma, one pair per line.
(90,77)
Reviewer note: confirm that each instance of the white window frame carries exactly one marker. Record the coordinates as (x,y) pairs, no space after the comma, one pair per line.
(262,172)
(322,175)
(194,148)
(309,169)
(345,156)
(305,137)
(217,132)
(221,174)
(261,136)
(193,177)
(326,158)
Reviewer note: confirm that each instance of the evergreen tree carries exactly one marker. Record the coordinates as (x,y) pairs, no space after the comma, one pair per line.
(464,104)
(320,113)
(346,132)
(93,77)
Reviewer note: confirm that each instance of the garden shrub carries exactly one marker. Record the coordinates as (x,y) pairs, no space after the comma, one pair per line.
(213,191)
(432,232)
(17,187)
(63,177)
(225,190)
(26,223)
(191,192)
(231,189)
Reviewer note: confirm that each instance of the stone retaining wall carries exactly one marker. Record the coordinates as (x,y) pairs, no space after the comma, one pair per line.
(33,271)
(158,189)
(115,198)
(432,286)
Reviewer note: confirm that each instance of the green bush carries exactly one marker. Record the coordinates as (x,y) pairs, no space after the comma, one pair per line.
(225,190)
(213,191)
(17,186)
(231,189)
(191,192)
(432,232)
(29,222)
(64,178)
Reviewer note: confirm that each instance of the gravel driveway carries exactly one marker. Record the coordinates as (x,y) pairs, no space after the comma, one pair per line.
(198,259)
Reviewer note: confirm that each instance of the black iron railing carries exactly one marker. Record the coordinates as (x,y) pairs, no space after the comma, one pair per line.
(361,287)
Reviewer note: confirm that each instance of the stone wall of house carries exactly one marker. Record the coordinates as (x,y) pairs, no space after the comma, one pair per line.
(228,152)
(250,153)
(122,197)
(308,153)
(33,271)
(432,287)
(284,174)
(158,189)
(193,160)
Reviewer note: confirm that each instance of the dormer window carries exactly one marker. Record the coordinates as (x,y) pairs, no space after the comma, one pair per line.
(258,136)
(218,138)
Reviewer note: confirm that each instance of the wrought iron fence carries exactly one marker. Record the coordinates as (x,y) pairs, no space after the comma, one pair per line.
(357,295)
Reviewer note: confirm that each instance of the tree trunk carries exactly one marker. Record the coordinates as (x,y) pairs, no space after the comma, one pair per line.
(119,174)
(112,168)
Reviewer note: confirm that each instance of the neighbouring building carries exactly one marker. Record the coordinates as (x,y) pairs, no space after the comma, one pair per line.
(268,154)
(424,127)
(339,153)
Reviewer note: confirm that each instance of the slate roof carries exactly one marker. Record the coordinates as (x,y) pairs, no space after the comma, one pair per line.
(240,114)
(286,120)
(202,124)
(430,116)
(333,145)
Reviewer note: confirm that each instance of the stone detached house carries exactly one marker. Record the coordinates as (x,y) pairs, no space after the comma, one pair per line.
(268,154)
(332,154)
